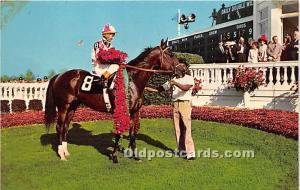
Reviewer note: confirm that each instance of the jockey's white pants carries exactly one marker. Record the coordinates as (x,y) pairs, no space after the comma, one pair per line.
(105,69)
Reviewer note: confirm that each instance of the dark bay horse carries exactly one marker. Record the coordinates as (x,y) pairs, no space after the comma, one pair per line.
(64,94)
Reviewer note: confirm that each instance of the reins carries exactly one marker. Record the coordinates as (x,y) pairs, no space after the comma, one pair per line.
(147,70)
(150,70)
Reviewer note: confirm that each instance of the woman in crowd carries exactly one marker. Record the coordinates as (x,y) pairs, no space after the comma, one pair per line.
(253,53)
(262,50)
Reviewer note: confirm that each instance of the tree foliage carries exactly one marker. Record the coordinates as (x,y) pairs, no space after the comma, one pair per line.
(29,76)
(51,74)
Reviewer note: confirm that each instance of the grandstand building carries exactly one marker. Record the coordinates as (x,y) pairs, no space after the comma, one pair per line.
(249,19)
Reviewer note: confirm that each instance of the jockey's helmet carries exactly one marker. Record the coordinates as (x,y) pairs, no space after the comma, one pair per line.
(108,29)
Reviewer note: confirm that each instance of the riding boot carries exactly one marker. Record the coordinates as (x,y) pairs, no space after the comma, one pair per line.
(103,81)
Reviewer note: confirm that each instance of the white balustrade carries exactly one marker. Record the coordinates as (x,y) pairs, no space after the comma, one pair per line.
(24,91)
(275,94)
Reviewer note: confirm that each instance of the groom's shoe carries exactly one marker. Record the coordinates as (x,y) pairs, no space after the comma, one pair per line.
(191,158)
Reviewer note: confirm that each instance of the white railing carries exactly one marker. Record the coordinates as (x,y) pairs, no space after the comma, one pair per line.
(276,94)
(23,91)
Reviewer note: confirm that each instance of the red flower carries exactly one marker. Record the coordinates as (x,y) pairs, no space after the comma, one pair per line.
(111,56)
(247,79)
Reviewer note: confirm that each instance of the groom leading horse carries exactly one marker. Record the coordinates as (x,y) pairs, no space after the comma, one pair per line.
(65,95)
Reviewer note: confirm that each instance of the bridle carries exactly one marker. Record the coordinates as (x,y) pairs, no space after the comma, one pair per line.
(162,52)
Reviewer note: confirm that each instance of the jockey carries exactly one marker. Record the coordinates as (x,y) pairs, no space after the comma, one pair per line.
(104,70)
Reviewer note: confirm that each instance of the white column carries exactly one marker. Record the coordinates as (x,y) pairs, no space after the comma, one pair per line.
(271,76)
(285,76)
(293,75)
(219,74)
(277,76)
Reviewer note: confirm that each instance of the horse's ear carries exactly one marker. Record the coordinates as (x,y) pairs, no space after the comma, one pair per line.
(166,43)
(162,43)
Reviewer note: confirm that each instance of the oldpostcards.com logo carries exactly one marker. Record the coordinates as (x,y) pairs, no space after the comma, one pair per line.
(207,153)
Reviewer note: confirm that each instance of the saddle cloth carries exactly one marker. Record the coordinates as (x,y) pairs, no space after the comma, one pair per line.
(92,85)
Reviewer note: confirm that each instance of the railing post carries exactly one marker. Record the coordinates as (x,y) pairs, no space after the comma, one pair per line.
(293,75)
(285,76)
(277,76)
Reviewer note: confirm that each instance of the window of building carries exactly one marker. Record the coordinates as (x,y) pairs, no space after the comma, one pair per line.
(263,27)
(263,13)
(263,20)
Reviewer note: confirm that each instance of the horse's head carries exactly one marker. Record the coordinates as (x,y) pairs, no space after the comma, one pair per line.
(157,58)
(167,60)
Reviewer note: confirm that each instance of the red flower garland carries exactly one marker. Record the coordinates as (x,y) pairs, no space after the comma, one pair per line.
(111,56)
(121,113)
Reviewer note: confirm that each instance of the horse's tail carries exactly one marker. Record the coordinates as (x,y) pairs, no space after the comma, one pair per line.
(50,107)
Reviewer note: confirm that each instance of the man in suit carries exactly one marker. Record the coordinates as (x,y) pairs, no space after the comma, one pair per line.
(221,53)
(294,46)
(274,50)
(241,51)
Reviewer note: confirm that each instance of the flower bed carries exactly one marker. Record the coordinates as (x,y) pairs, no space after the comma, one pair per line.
(275,121)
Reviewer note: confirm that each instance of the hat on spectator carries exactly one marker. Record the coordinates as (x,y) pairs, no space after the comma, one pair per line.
(263,38)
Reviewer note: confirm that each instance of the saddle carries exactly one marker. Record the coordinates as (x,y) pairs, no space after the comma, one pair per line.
(93,84)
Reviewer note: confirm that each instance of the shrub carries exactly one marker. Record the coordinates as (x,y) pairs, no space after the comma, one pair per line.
(162,98)
(4,106)
(18,105)
(189,58)
(35,105)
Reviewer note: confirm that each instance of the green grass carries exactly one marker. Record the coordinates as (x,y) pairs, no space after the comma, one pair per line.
(27,164)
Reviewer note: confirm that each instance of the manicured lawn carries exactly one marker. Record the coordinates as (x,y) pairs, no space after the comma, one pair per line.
(28,160)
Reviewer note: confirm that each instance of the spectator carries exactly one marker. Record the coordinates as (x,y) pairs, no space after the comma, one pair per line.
(262,50)
(241,50)
(294,46)
(285,55)
(274,50)
(253,53)
(229,50)
(220,53)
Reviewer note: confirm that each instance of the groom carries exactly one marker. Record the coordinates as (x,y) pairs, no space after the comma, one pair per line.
(181,85)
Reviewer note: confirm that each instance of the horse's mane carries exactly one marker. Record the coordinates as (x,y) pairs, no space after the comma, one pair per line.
(140,57)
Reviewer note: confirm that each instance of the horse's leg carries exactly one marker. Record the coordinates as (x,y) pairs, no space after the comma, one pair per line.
(116,148)
(61,130)
(133,132)
(69,117)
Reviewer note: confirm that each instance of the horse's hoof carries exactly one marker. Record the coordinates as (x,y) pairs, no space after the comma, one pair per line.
(137,159)
(113,158)
(122,150)
(63,159)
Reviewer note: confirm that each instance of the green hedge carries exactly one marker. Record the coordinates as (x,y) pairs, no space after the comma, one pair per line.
(189,58)
(154,98)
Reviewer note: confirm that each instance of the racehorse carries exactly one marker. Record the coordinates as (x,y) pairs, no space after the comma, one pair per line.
(64,93)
